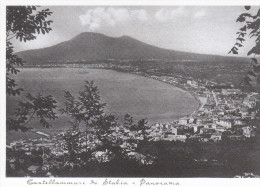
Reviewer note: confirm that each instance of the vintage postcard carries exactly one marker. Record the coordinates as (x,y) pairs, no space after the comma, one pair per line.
(109,93)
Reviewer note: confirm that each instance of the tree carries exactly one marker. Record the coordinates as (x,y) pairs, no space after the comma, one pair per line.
(250,28)
(23,23)
(128,120)
(141,126)
(103,125)
(89,102)
(12,61)
(73,144)
(85,108)
(72,109)
(36,107)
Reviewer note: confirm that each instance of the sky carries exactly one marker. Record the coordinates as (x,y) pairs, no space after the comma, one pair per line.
(199,29)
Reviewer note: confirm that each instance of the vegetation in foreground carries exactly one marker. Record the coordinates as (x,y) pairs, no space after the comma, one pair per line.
(166,159)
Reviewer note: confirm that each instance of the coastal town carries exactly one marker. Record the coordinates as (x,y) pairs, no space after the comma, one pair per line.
(131,94)
(224,113)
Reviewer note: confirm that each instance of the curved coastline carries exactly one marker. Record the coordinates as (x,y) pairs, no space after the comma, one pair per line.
(185,90)
(178,87)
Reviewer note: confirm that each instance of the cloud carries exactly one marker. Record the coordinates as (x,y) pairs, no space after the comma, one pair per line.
(199,14)
(165,14)
(140,15)
(97,17)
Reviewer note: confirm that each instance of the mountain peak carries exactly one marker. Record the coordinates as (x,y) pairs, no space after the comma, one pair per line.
(89,46)
(95,34)
(88,34)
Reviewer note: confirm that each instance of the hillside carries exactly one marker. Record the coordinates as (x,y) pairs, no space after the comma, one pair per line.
(90,46)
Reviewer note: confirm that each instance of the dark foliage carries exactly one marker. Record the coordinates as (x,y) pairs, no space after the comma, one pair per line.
(23,23)
(252,29)
(88,110)
(141,126)
(73,145)
(103,124)
(40,107)
(128,120)
(86,107)
(11,62)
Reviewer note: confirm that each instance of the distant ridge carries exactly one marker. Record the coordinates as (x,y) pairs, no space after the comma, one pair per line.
(90,46)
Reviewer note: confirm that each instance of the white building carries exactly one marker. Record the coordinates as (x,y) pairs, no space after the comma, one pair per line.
(183,121)
(224,123)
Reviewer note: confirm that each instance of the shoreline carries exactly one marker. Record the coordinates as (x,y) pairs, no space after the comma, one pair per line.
(132,73)
(176,86)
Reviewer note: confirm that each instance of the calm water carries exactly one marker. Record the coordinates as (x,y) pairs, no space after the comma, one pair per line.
(123,92)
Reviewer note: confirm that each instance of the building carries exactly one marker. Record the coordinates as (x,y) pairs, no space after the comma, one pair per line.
(34,169)
(183,121)
(101,156)
(247,131)
(192,83)
(171,137)
(216,137)
(208,107)
(224,123)
(206,131)
(231,91)
(238,122)
(174,131)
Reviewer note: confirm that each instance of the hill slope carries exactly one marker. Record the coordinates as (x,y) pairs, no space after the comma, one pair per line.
(90,46)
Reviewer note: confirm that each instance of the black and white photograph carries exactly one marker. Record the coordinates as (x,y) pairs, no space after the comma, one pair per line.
(140,91)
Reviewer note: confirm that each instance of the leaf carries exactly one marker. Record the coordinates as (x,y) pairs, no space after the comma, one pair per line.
(251,73)
(258,13)
(242,34)
(233,51)
(243,28)
(243,16)
(254,60)
(247,7)
(241,19)
(255,50)
(241,39)
(239,45)
(250,52)
(256,69)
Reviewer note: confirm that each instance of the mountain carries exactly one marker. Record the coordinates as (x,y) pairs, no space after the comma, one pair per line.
(89,46)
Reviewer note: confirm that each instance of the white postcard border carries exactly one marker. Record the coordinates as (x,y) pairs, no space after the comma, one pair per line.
(25,182)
